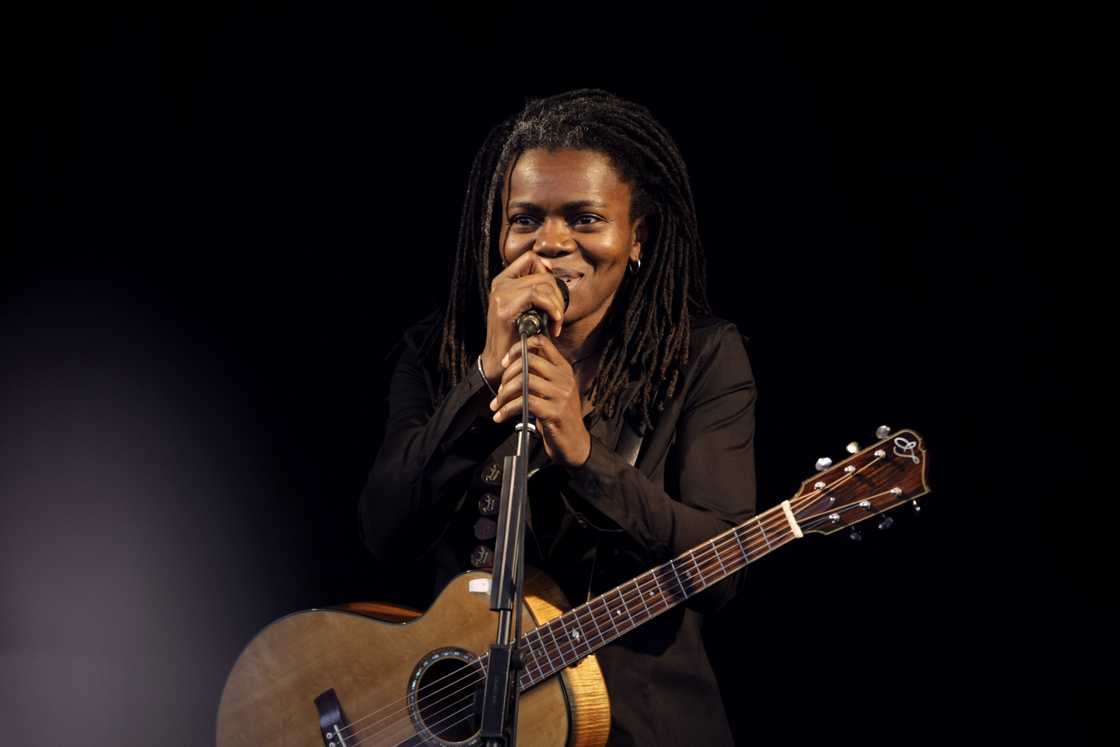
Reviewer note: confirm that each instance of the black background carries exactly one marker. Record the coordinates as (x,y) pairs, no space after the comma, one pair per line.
(226,214)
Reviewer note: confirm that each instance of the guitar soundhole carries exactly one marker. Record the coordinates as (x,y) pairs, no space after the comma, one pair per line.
(444,694)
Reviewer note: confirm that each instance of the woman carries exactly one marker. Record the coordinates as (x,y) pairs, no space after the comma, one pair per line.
(644,401)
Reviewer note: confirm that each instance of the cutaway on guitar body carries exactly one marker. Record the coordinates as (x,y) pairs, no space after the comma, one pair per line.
(376,674)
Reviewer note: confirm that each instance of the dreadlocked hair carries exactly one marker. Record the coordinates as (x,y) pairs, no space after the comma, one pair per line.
(648,324)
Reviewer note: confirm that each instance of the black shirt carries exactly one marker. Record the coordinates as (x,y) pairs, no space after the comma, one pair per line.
(591,527)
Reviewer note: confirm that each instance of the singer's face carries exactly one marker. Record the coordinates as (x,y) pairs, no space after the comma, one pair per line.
(573,210)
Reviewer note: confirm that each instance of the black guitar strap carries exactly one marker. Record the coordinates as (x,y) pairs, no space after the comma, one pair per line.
(629,446)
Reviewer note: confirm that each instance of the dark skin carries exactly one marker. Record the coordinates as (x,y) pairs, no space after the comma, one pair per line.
(567,213)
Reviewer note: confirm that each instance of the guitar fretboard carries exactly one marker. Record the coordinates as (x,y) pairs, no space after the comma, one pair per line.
(547,649)
(876,479)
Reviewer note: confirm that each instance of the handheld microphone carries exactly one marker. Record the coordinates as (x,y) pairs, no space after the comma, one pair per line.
(532,321)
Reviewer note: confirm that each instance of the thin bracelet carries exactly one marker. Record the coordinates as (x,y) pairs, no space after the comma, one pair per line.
(484,379)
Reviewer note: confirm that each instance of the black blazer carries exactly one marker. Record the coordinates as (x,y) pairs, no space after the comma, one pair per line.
(694,478)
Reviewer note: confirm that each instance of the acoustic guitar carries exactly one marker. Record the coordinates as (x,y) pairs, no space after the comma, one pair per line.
(376,674)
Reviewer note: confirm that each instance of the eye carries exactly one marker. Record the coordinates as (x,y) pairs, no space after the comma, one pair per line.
(589,218)
(521,220)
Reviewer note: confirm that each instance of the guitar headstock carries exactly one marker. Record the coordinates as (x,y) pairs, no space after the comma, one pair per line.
(876,479)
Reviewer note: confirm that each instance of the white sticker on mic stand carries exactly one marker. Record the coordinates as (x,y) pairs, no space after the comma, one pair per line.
(479,586)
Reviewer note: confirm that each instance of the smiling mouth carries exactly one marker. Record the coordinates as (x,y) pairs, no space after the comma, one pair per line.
(569,277)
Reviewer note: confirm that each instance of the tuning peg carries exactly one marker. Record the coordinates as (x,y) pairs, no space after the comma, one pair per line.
(852,448)
(886,522)
(882,432)
(917,508)
(823,463)
(855,536)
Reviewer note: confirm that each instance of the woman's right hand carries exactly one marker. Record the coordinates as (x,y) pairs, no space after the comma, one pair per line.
(525,284)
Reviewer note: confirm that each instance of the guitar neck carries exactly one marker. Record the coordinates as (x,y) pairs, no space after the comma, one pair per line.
(547,649)
(876,479)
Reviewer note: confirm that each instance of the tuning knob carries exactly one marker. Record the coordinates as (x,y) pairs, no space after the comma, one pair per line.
(823,463)
(882,432)
(852,448)
(917,508)
(886,522)
(855,536)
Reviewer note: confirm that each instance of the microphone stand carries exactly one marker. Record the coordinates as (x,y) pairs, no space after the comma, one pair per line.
(507,591)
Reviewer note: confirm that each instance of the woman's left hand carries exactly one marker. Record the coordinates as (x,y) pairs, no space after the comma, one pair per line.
(554,400)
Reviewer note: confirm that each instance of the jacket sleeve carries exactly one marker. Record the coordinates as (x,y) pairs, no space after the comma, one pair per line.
(425,460)
(709,479)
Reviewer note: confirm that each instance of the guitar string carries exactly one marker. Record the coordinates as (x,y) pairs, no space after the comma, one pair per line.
(476,677)
(564,648)
(812,495)
(706,557)
(441,725)
(597,616)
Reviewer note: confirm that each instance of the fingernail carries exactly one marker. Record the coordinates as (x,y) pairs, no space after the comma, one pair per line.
(497,417)
(494,404)
(505,360)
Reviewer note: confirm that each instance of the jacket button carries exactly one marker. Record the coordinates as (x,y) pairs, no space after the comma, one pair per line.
(485,529)
(482,557)
(492,473)
(488,504)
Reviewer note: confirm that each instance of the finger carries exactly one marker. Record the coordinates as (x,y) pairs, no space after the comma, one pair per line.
(538,407)
(538,365)
(543,346)
(532,291)
(546,348)
(547,297)
(538,386)
(542,386)
(539,390)
(529,268)
(527,264)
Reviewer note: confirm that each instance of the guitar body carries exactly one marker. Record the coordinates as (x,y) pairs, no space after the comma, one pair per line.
(373,656)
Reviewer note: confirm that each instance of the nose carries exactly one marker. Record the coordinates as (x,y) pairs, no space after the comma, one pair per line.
(554,238)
